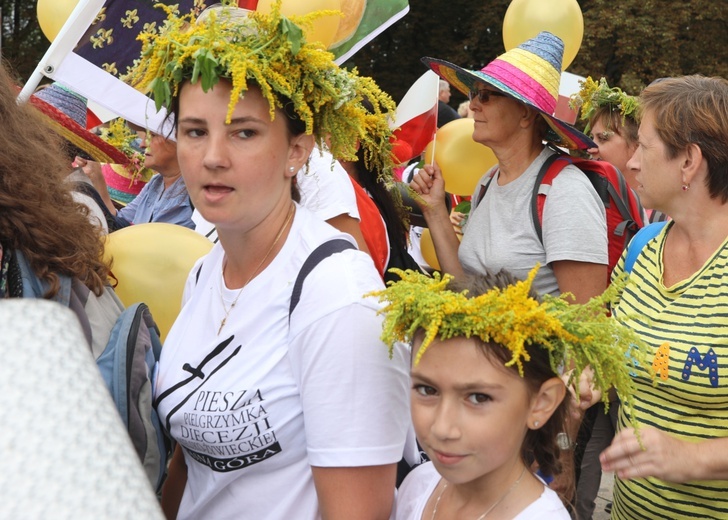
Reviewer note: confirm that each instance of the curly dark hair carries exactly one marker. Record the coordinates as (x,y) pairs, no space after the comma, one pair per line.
(540,445)
(38,215)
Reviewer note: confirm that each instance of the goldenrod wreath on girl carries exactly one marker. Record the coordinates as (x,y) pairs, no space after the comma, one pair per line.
(575,335)
(270,50)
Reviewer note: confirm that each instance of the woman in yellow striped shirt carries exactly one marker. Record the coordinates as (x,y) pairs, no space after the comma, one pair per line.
(679,306)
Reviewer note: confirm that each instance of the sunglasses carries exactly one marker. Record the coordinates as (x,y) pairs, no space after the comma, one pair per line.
(483,95)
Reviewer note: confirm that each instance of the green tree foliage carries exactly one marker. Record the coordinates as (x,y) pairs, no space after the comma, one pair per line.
(633,42)
(630,42)
(23,43)
(453,30)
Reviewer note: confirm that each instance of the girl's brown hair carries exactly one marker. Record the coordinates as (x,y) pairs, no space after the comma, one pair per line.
(38,215)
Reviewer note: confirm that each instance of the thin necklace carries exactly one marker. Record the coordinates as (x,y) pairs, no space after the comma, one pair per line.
(267,254)
(501,499)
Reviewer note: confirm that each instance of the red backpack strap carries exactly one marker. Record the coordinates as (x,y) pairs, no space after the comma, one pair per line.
(550,169)
(622,196)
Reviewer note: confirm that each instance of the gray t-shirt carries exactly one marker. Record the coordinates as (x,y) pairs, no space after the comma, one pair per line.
(499,233)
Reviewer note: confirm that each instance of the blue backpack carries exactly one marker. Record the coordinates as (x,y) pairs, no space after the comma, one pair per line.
(126,346)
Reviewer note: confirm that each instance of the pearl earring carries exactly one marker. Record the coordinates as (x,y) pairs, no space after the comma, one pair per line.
(291,169)
(535,424)
(685,187)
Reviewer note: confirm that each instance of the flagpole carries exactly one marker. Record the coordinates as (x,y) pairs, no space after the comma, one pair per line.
(81,18)
(434,139)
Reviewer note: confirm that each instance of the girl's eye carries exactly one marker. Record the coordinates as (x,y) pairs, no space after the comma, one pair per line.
(424,390)
(194,132)
(246,134)
(478,398)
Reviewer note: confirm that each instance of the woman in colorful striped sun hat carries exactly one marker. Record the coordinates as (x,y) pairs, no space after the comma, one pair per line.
(513,99)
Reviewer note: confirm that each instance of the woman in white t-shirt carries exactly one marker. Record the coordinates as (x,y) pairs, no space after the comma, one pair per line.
(277,413)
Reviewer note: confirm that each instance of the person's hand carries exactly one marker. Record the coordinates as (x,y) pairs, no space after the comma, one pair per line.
(664,456)
(92,169)
(457,218)
(588,395)
(430,185)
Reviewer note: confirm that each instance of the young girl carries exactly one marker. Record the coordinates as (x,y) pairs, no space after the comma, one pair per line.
(487,400)
(278,414)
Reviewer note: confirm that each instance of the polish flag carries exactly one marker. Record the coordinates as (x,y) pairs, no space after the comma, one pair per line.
(416,119)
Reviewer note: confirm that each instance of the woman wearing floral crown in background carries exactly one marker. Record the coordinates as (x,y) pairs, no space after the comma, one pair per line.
(611,121)
(276,415)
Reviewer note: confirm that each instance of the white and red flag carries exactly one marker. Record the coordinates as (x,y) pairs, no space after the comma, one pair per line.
(416,119)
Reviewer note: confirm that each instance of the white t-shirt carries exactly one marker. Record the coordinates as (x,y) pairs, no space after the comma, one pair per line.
(499,233)
(255,406)
(325,189)
(417,488)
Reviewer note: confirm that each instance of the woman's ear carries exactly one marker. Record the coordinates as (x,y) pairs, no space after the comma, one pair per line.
(691,164)
(529,116)
(546,401)
(299,150)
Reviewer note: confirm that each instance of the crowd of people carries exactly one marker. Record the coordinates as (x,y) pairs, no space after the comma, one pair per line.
(315,369)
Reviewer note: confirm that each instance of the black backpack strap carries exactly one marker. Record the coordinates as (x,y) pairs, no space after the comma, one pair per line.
(323,251)
(481,192)
(535,217)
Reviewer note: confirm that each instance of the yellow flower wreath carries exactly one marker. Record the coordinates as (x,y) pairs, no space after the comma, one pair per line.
(575,335)
(270,50)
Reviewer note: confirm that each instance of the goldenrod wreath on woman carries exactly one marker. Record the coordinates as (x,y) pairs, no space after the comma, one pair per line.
(270,50)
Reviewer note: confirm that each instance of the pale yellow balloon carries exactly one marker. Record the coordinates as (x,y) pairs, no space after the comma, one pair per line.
(323,29)
(353,13)
(52,14)
(151,263)
(526,18)
(427,248)
(462,161)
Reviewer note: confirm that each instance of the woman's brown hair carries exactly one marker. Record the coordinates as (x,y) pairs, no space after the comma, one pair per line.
(38,215)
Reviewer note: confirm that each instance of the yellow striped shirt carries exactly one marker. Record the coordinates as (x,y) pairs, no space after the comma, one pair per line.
(686,327)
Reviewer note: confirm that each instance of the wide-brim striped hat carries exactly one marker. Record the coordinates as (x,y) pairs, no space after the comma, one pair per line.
(122,185)
(64,112)
(529,73)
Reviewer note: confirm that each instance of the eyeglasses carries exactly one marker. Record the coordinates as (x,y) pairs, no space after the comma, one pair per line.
(483,95)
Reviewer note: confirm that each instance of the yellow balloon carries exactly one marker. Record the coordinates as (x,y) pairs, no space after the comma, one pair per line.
(526,18)
(323,29)
(353,13)
(52,14)
(151,263)
(427,248)
(462,161)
